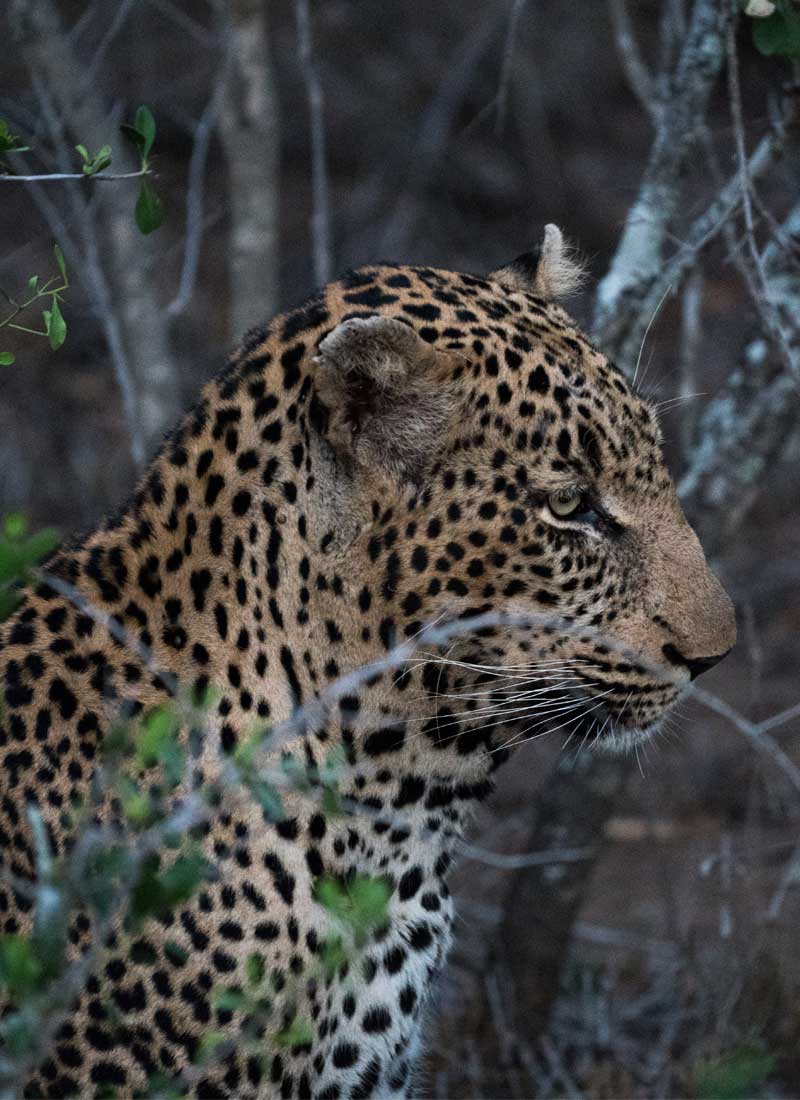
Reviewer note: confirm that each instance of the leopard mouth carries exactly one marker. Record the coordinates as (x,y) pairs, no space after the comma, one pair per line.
(618,717)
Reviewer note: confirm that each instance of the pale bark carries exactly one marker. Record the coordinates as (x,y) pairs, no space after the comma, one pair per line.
(618,318)
(251,139)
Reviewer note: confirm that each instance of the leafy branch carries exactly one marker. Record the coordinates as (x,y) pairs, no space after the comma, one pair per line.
(55,327)
(144,864)
(19,553)
(141,133)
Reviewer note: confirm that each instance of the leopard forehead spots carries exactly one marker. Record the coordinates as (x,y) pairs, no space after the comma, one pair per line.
(410,445)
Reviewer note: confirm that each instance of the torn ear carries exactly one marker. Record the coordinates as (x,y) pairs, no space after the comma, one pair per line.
(550,270)
(384,394)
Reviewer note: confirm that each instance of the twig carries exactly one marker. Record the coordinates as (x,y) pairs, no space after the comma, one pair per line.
(195,195)
(182,19)
(755,732)
(120,15)
(760,290)
(56,177)
(639,77)
(501,100)
(509,862)
(790,876)
(605,936)
(430,143)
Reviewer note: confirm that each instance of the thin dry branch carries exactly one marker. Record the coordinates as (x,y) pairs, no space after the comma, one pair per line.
(744,431)
(756,732)
(57,177)
(636,70)
(501,100)
(755,278)
(195,195)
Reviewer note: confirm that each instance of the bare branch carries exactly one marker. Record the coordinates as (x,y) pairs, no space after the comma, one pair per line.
(744,430)
(57,177)
(638,75)
(195,194)
(758,286)
(509,862)
(755,732)
(501,101)
(120,15)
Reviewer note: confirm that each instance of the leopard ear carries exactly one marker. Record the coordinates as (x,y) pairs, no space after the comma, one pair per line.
(382,394)
(550,270)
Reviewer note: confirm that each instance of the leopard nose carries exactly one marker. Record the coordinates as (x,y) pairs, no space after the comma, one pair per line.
(696,665)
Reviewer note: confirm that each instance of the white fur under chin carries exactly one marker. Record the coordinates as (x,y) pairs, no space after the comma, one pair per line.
(620,742)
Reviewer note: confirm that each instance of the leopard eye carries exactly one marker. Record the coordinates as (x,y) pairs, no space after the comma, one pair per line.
(566,502)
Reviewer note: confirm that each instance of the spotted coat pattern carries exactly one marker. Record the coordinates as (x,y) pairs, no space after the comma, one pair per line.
(383,456)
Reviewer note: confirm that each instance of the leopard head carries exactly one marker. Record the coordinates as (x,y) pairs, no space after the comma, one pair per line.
(481,457)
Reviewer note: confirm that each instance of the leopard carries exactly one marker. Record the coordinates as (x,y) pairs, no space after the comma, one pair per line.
(411,449)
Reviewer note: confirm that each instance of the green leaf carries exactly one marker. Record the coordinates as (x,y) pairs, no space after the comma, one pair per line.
(10,143)
(230,1000)
(779,34)
(17,555)
(55,325)
(134,137)
(248,748)
(208,1048)
(268,798)
(254,969)
(333,954)
(158,744)
(83,152)
(370,897)
(137,806)
(59,255)
(100,160)
(145,125)
(39,545)
(159,891)
(162,1086)
(118,742)
(360,903)
(6,358)
(15,525)
(33,283)
(149,209)
(176,954)
(20,1034)
(742,1072)
(100,886)
(21,971)
(297,1034)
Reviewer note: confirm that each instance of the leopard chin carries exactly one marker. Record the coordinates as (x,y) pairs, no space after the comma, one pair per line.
(621,742)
